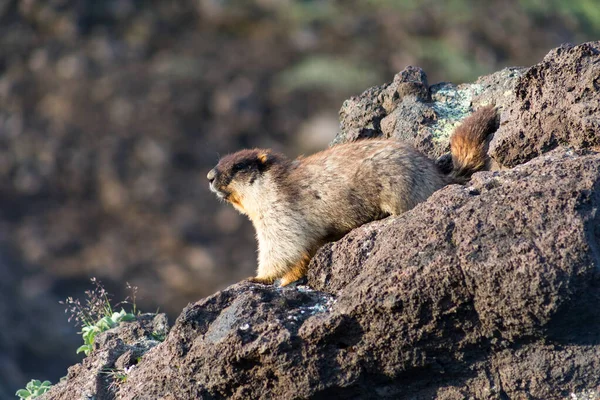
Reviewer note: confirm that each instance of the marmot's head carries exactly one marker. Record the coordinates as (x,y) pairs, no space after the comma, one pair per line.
(237,176)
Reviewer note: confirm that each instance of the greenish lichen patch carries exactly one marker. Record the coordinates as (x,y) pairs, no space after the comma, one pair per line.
(451,104)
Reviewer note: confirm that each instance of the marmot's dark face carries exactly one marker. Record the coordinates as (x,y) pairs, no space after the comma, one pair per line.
(237,172)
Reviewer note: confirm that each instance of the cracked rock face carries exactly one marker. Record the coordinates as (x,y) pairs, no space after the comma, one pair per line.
(486,291)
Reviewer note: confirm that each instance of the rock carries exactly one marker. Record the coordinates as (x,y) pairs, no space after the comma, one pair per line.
(477,292)
(475,271)
(112,112)
(484,291)
(116,352)
(409,110)
(556,104)
(552,103)
(467,293)
(360,117)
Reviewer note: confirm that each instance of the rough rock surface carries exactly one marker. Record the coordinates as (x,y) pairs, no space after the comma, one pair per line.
(552,103)
(116,352)
(556,104)
(484,291)
(410,110)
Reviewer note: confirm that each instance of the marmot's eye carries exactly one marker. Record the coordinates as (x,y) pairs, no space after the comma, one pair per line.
(240,166)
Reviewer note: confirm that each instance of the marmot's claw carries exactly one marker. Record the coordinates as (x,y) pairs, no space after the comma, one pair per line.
(263,281)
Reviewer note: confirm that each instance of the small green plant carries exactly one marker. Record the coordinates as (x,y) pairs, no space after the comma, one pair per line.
(158,336)
(89,332)
(96,315)
(33,389)
(117,375)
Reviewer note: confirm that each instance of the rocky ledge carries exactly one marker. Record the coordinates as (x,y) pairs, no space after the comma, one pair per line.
(485,291)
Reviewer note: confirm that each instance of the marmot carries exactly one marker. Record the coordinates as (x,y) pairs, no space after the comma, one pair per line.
(298,205)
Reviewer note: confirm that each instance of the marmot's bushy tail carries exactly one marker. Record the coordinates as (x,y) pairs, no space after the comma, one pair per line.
(468,143)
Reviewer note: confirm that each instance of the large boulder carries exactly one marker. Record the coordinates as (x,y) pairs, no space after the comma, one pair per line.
(485,291)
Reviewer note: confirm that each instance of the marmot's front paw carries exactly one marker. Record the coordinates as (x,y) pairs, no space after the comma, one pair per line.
(264,281)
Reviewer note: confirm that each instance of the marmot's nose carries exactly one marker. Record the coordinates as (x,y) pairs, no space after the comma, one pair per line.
(211,175)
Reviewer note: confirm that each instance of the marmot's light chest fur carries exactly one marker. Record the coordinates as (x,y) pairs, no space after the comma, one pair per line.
(298,205)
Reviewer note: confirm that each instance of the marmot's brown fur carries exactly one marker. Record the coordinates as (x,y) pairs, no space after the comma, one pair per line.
(298,205)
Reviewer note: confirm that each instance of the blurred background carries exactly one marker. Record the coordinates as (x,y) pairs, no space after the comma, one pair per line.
(112,112)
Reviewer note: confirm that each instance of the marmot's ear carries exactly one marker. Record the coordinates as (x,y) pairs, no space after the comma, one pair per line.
(263,157)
